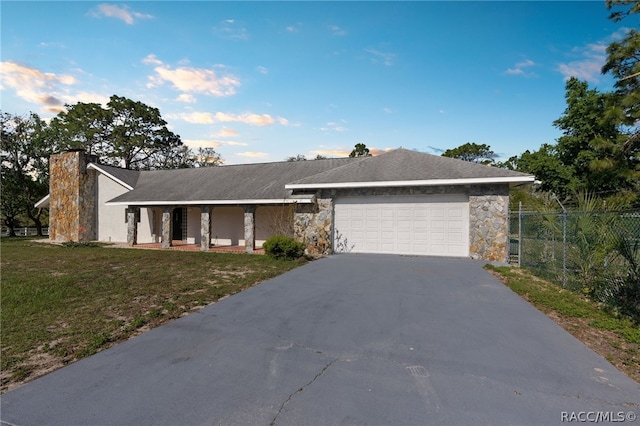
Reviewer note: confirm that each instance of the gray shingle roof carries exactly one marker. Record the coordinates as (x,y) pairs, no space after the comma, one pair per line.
(406,165)
(129,177)
(236,182)
(267,181)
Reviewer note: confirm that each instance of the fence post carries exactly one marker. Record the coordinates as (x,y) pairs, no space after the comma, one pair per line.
(564,241)
(519,233)
(564,247)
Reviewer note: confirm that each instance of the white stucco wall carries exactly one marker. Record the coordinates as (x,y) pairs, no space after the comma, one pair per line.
(111,220)
(270,221)
(193,225)
(149,227)
(112,224)
(227,226)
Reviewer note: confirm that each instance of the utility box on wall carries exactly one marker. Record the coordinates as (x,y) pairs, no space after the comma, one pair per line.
(72,203)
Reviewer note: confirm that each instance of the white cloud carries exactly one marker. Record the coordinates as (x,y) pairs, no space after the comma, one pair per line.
(226,133)
(378,151)
(262,70)
(229,30)
(223,117)
(192,80)
(514,71)
(233,143)
(201,143)
(187,98)
(588,67)
(332,152)
(211,143)
(337,31)
(151,59)
(124,13)
(194,117)
(520,68)
(333,127)
(253,154)
(341,152)
(377,56)
(32,85)
(387,110)
(87,98)
(250,119)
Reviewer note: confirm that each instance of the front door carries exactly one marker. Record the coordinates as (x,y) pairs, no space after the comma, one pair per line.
(177,223)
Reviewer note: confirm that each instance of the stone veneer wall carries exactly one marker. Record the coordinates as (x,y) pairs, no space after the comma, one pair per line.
(72,197)
(313,225)
(489,223)
(488,217)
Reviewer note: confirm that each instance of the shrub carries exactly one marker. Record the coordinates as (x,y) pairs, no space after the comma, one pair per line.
(79,244)
(281,247)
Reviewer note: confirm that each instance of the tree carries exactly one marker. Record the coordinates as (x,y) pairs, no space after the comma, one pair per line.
(298,157)
(11,202)
(24,169)
(472,152)
(207,157)
(83,126)
(546,166)
(360,150)
(136,132)
(127,133)
(623,63)
(593,144)
(301,157)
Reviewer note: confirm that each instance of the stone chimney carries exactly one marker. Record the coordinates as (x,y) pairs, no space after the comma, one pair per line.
(72,197)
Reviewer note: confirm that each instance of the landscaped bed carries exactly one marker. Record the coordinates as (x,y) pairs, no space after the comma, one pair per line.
(63,303)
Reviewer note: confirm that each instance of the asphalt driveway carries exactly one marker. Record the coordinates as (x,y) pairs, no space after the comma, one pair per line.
(349,339)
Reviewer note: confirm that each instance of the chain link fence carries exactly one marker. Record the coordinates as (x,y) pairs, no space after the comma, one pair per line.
(597,253)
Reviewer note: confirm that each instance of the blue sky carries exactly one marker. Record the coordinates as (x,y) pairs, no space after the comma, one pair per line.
(261,81)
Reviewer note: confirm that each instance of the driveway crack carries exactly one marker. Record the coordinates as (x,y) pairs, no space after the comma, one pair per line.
(326,367)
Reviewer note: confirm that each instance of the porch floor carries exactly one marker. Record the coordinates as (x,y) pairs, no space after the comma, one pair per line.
(184,246)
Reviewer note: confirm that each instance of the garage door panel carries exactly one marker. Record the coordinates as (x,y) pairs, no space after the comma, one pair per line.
(427,225)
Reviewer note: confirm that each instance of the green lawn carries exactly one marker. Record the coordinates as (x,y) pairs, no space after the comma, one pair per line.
(60,304)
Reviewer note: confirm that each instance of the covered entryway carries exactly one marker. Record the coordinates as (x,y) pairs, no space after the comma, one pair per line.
(179,224)
(435,225)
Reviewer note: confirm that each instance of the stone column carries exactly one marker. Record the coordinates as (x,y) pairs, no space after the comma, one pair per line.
(132,226)
(249,228)
(205,227)
(166,227)
(489,227)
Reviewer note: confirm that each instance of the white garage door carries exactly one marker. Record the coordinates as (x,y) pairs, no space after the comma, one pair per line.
(436,225)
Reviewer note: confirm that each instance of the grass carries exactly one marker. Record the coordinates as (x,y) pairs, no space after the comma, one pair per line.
(63,303)
(615,337)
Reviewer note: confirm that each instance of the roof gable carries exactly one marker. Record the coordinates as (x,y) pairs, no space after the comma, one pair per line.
(403,166)
(125,177)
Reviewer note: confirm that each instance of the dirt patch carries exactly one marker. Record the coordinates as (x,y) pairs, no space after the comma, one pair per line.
(37,364)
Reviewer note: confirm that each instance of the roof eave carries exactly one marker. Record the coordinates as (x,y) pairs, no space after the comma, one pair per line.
(211,202)
(109,175)
(43,203)
(428,182)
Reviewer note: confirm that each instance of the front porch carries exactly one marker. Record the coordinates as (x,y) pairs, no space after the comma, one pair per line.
(217,228)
